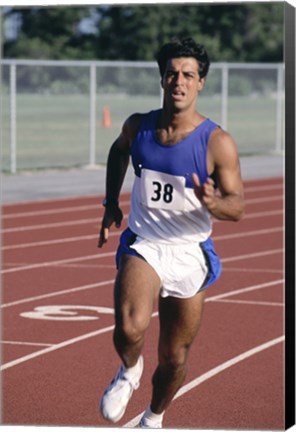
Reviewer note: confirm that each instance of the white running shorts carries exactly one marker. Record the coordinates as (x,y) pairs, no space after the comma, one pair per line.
(183,269)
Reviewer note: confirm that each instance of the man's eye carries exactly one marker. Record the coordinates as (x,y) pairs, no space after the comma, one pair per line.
(170,74)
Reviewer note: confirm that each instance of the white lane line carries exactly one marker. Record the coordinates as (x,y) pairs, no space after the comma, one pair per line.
(252,255)
(97,221)
(264,188)
(106,329)
(252,270)
(251,302)
(57,210)
(50,211)
(228,364)
(51,201)
(109,282)
(59,346)
(58,262)
(247,189)
(51,225)
(58,293)
(107,254)
(74,265)
(116,233)
(244,290)
(79,208)
(261,214)
(102,255)
(264,199)
(249,233)
(90,266)
(25,343)
(215,371)
(54,242)
(55,347)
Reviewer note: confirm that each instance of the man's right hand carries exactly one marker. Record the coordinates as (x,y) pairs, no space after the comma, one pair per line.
(113,214)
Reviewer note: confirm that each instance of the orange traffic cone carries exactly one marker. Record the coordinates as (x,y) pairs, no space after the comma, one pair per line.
(107,121)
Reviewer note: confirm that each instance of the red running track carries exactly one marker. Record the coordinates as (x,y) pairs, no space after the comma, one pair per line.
(57,316)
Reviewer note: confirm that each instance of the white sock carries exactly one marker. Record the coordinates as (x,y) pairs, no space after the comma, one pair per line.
(134,370)
(150,415)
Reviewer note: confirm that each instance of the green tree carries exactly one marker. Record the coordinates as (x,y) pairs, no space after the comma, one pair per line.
(264,32)
(231,32)
(239,32)
(49,33)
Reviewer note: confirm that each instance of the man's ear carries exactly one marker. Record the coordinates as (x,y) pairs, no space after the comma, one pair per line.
(201,84)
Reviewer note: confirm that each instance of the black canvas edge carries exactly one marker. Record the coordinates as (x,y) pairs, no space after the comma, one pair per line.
(289,51)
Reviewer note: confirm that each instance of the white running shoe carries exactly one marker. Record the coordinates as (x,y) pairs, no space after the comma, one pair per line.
(119,392)
(147,423)
(151,420)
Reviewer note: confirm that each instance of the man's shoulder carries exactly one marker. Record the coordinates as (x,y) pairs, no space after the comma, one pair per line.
(222,145)
(134,121)
(220,135)
(138,117)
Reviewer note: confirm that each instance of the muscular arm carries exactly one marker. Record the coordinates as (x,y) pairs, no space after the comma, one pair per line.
(223,158)
(117,164)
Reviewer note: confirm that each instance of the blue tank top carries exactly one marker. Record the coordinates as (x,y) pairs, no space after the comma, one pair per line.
(164,207)
(183,158)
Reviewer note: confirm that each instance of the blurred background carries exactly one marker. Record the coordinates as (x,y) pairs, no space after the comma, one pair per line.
(72,74)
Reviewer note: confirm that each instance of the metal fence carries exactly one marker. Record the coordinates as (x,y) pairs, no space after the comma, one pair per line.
(68,113)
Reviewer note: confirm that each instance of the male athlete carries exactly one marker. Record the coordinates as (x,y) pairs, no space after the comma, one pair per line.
(166,252)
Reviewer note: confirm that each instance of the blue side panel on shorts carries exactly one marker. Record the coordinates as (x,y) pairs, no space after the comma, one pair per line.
(127,238)
(214,263)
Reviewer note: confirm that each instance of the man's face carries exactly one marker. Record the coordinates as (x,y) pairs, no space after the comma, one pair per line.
(181,82)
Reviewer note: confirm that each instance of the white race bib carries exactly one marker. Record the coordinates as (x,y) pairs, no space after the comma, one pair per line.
(162,191)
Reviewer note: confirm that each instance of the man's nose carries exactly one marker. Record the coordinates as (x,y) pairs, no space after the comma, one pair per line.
(179,78)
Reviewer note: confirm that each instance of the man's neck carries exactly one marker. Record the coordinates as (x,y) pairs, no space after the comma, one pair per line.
(179,120)
(172,129)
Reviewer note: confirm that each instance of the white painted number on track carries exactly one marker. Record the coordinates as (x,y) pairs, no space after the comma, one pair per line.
(66,313)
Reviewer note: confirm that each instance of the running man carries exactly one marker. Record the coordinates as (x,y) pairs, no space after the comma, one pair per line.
(186,172)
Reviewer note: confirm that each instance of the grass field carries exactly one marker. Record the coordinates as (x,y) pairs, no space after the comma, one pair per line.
(53,130)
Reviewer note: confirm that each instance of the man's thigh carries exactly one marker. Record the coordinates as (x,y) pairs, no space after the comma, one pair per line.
(137,286)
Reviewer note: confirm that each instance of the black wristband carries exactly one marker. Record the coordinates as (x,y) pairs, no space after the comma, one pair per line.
(110,202)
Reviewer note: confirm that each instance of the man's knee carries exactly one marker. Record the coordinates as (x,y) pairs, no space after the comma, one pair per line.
(131,328)
(171,368)
(173,358)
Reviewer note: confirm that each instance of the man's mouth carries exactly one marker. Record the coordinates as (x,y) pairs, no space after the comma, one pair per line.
(178,94)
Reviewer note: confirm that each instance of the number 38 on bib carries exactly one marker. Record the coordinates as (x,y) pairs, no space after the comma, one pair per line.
(162,191)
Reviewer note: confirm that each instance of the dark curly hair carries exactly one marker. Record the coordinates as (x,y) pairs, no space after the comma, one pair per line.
(185,48)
